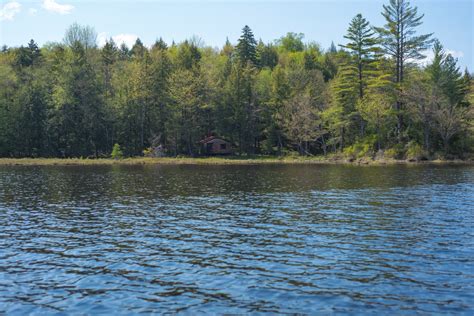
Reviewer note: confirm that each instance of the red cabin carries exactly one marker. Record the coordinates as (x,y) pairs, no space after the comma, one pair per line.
(214,145)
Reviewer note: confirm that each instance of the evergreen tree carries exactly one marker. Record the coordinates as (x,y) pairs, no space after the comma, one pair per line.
(446,75)
(32,119)
(280,93)
(451,92)
(376,106)
(138,50)
(161,69)
(399,41)
(267,55)
(81,108)
(116,152)
(75,99)
(124,52)
(109,56)
(9,84)
(353,76)
(332,48)
(27,56)
(240,98)
(247,47)
(186,127)
(362,46)
(160,44)
(228,48)
(345,93)
(188,55)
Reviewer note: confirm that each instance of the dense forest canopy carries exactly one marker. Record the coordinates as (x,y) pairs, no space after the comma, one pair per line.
(366,97)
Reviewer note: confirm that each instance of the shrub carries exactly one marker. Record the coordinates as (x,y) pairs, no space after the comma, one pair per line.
(391,153)
(290,153)
(116,152)
(360,149)
(395,152)
(148,152)
(415,152)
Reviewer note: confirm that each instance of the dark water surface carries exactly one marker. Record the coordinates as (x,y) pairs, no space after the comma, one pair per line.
(237,239)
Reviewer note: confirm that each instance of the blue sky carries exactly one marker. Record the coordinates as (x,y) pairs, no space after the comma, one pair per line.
(320,21)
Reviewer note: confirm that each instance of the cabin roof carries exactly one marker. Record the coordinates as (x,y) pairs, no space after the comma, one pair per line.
(211,139)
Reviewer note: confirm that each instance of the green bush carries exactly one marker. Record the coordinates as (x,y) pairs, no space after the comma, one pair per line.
(148,152)
(116,152)
(290,153)
(361,149)
(391,153)
(415,152)
(396,152)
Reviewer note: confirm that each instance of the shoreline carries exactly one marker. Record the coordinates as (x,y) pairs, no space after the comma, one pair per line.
(221,161)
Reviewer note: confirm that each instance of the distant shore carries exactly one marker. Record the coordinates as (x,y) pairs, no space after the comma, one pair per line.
(257,160)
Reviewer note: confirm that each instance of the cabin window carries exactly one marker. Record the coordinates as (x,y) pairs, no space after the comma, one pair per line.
(223,146)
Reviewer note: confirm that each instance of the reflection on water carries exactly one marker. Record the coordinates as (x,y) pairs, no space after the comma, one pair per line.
(236,239)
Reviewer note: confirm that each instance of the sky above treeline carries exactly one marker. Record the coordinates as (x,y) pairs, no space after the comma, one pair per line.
(321,21)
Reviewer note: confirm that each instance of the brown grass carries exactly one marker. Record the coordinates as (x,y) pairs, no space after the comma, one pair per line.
(213,161)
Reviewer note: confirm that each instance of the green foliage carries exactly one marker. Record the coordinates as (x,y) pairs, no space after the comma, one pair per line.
(361,149)
(138,49)
(27,56)
(267,55)
(449,111)
(415,152)
(116,152)
(188,55)
(363,50)
(398,35)
(292,42)
(247,47)
(396,152)
(399,40)
(147,152)
(290,97)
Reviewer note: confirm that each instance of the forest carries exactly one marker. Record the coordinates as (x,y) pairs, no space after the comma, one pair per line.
(372,96)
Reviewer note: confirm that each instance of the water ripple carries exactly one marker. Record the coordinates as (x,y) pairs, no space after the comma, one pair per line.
(283,240)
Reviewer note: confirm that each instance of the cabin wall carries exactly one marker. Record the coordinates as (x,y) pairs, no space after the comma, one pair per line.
(217,149)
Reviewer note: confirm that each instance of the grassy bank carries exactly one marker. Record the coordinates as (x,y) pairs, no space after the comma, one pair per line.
(215,161)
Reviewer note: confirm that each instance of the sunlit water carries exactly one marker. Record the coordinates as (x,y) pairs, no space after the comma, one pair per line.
(237,239)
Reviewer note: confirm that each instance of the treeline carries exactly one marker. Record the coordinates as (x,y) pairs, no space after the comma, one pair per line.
(368,97)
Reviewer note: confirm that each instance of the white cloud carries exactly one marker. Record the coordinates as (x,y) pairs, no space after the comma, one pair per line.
(53,6)
(427,60)
(455,53)
(9,10)
(430,56)
(102,38)
(128,39)
(32,11)
(119,39)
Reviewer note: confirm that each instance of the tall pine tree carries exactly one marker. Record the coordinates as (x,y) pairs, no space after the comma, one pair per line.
(247,47)
(362,47)
(399,41)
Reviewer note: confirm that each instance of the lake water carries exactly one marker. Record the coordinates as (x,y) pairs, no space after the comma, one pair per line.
(237,239)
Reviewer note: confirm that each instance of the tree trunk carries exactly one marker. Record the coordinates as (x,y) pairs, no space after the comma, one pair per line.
(142,126)
(377,130)
(426,137)
(342,138)
(446,145)
(280,145)
(361,126)
(240,141)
